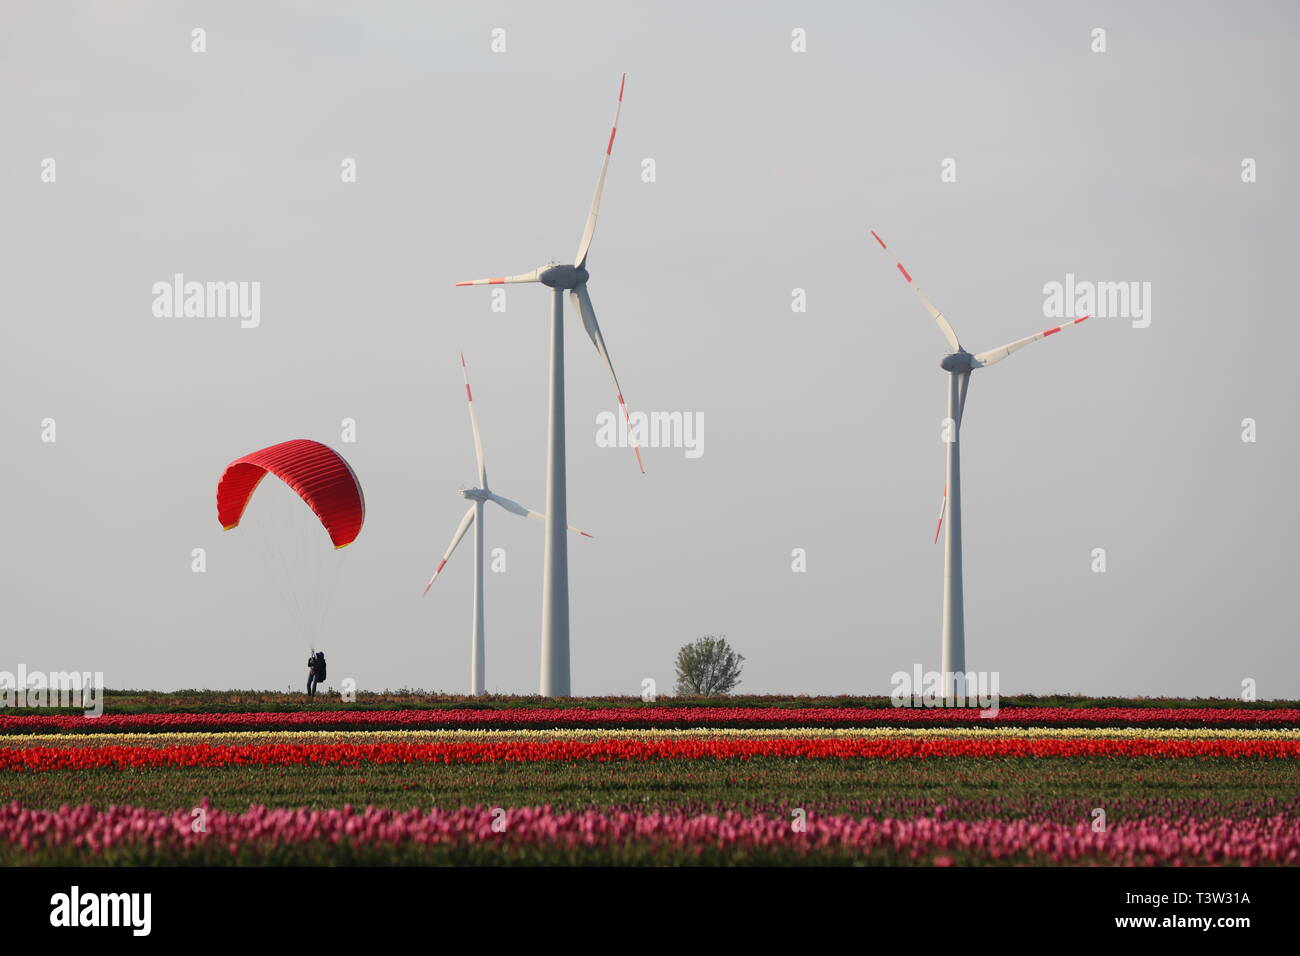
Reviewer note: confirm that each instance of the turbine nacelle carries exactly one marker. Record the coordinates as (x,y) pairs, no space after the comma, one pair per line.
(959,361)
(476,494)
(563,276)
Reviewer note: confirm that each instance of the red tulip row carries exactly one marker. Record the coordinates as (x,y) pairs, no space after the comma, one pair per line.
(531,751)
(649,717)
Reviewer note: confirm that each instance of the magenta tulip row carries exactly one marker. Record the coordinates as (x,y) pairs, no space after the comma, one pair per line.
(260,832)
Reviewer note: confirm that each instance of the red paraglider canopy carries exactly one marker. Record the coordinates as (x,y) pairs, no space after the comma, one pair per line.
(316,472)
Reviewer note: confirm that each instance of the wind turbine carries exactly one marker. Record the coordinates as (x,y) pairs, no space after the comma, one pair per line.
(555,566)
(958,364)
(474,516)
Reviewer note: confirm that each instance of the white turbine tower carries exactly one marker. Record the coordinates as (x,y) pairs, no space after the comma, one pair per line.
(958,364)
(555,567)
(474,516)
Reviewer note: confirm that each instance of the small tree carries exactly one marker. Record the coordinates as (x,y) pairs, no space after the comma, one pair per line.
(708,666)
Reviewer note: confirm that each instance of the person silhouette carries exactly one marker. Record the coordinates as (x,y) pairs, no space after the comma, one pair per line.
(314,673)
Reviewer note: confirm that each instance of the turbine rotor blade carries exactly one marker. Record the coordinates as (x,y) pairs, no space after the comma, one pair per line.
(473,423)
(507,280)
(943,508)
(465,522)
(993,356)
(590,229)
(582,301)
(935,314)
(516,508)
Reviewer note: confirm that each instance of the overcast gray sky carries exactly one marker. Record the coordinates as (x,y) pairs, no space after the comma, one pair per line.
(821,428)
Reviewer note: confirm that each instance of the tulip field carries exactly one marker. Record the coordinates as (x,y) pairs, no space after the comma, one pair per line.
(778,781)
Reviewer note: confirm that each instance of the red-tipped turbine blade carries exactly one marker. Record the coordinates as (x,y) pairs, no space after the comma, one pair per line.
(506,280)
(993,356)
(943,507)
(582,299)
(473,424)
(589,229)
(935,314)
(465,522)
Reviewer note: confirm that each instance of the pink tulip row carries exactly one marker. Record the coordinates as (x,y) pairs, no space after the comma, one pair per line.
(174,835)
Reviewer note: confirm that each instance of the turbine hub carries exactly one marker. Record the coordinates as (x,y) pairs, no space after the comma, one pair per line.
(474,494)
(564,276)
(959,361)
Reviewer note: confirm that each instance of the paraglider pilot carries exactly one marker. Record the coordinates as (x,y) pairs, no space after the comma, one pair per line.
(315,672)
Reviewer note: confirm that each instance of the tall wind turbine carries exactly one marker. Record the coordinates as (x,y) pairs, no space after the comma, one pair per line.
(474,516)
(958,364)
(555,567)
